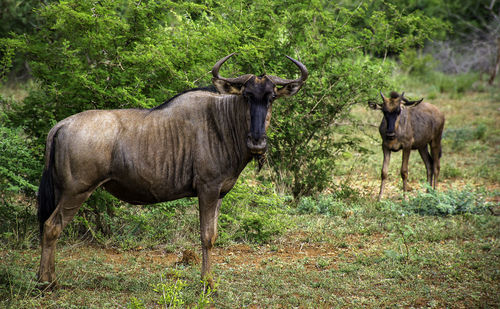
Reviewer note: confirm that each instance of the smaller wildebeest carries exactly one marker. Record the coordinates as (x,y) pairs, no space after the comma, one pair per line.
(195,144)
(410,125)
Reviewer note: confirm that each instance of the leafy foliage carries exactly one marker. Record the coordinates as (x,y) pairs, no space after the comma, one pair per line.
(417,64)
(338,203)
(443,203)
(18,169)
(115,54)
(252,213)
(18,174)
(170,293)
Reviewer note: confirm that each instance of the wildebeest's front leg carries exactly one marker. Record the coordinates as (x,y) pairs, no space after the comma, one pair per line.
(209,204)
(385,169)
(404,170)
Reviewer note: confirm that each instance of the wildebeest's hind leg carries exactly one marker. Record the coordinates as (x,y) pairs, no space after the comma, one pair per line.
(209,204)
(67,206)
(426,157)
(436,156)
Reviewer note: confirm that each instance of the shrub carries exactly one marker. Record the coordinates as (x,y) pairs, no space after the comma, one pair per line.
(252,212)
(19,171)
(330,205)
(415,63)
(443,203)
(419,70)
(115,54)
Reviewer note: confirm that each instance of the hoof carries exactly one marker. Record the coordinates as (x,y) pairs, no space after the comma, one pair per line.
(209,286)
(407,188)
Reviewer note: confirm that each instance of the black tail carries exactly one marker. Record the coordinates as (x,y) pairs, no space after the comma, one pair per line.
(46,197)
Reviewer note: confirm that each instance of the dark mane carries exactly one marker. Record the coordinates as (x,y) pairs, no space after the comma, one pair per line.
(210,88)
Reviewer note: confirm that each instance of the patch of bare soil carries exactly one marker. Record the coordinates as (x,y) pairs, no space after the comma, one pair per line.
(293,248)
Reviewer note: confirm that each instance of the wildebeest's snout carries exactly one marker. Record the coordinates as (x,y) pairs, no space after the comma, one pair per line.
(391,119)
(257,145)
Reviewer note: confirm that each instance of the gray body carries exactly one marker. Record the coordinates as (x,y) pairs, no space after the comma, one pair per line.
(409,125)
(196,144)
(150,156)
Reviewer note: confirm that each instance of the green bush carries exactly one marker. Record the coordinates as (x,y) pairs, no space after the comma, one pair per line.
(115,54)
(19,172)
(324,204)
(252,212)
(334,204)
(450,202)
(415,63)
(19,169)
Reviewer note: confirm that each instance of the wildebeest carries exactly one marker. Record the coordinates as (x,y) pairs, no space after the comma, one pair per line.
(196,144)
(410,125)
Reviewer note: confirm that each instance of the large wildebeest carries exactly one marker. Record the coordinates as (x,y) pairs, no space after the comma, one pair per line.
(410,125)
(196,144)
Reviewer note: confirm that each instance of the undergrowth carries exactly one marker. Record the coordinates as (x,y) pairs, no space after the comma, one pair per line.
(170,293)
(449,202)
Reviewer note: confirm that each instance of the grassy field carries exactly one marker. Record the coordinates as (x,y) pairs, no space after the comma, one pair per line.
(353,253)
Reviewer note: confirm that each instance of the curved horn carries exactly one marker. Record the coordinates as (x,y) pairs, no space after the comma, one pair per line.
(402,95)
(382,95)
(303,75)
(215,72)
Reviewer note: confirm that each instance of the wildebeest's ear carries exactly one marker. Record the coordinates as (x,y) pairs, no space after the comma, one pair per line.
(409,103)
(226,87)
(288,90)
(374,105)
